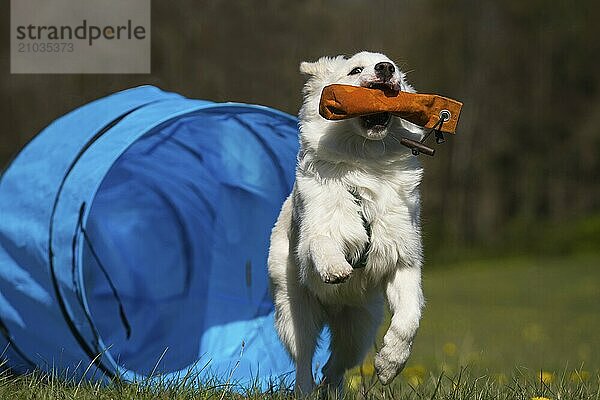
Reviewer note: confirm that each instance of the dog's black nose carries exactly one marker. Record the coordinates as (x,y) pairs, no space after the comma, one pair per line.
(384,70)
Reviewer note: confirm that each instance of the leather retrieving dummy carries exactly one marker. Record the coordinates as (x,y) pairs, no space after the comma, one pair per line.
(344,101)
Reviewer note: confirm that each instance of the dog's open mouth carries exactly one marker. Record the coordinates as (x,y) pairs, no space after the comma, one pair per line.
(385,86)
(376,121)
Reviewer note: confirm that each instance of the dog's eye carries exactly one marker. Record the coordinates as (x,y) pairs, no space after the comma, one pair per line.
(355,71)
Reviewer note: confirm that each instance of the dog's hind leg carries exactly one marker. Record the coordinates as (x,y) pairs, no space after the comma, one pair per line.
(299,321)
(298,315)
(353,331)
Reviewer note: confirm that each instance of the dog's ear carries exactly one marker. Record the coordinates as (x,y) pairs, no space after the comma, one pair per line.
(320,67)
(312,68)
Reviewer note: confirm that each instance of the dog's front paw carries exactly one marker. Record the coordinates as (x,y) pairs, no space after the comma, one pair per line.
(337,273)
(389,363)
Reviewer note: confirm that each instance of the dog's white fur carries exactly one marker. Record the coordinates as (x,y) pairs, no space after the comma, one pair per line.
(320,227)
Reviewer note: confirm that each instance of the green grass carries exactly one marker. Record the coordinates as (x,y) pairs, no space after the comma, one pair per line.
(508,321)
(497,315)
(465,384)
(515,328)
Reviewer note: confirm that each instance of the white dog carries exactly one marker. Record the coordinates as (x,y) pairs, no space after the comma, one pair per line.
(349,233)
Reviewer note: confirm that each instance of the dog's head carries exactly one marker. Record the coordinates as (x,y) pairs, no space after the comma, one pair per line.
(335,139)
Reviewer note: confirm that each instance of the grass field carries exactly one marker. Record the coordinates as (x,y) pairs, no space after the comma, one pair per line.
(516,328)
(530,320)
(534,313)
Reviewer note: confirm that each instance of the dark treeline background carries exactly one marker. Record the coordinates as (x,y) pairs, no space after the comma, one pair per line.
(528,144)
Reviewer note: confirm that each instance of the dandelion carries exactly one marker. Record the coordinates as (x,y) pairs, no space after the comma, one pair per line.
(354,382)
(414,381)
(580,376)
(449,349)
(540,398)
(547,377)
(414,375)
(367,369)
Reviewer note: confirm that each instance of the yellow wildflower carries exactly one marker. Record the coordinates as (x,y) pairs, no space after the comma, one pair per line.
(580,376)
(414,380)
(367,369)
(547,377)
(449,349)
(540,398)
(414,375)
(354,382)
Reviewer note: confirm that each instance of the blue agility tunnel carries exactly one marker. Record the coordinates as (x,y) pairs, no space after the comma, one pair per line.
(134,234)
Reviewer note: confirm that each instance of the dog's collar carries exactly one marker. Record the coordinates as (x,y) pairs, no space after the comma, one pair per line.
(361,262)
